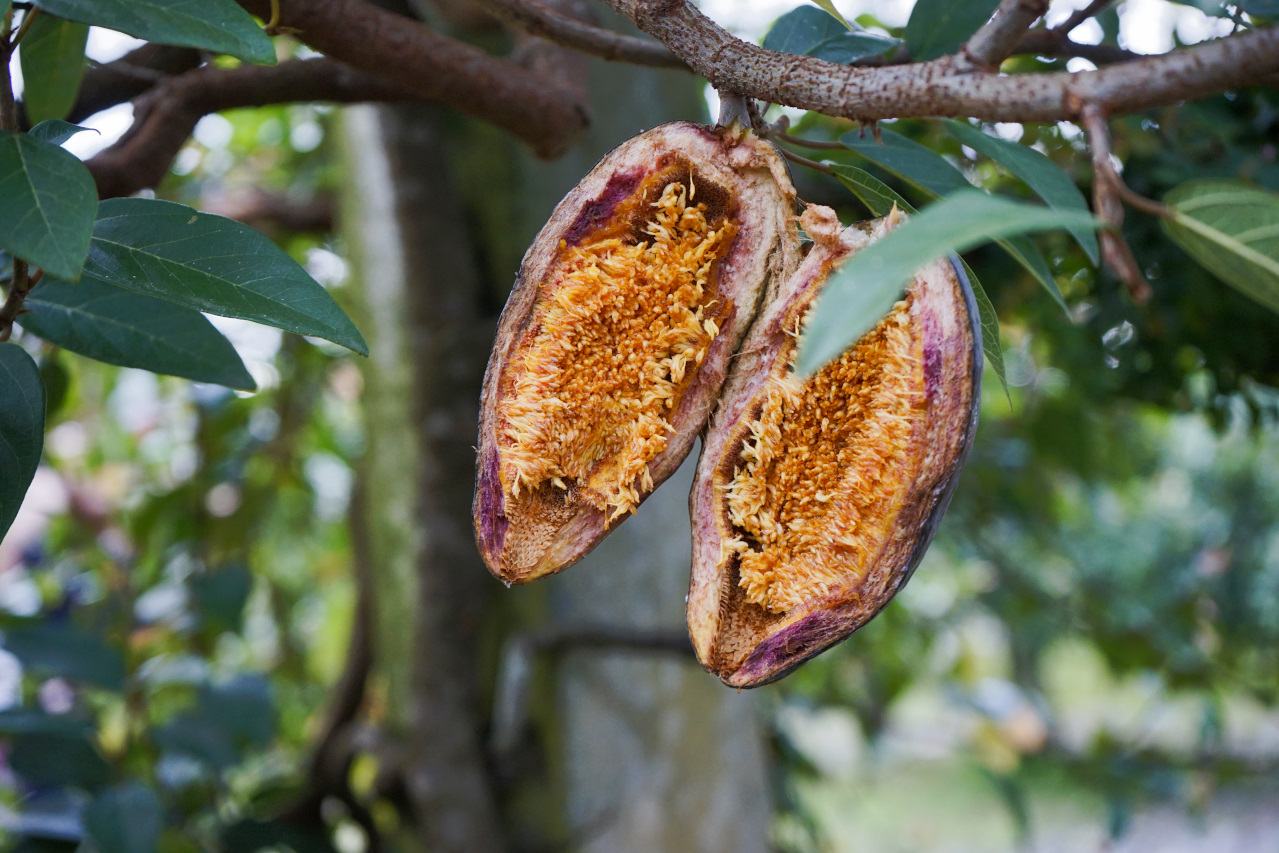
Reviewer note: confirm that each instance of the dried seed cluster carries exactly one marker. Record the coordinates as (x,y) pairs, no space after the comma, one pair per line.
(620,330)
(824,466)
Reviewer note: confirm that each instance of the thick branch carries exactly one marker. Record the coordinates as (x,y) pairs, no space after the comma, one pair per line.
(166,115)
(944,88)
(536,19)
(129,76)
(407,55)
(995,41)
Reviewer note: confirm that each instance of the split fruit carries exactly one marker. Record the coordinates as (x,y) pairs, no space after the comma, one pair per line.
(815,499)
(616,339)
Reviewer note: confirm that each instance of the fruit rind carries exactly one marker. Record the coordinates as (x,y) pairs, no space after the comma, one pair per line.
(742,642)
(525,537)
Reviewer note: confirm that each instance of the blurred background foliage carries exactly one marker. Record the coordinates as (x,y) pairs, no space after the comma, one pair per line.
(1090,650)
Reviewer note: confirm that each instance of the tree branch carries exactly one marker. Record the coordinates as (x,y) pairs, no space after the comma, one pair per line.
(1106,184)
(996,40)
(944,87)
(124,79)
(165,115)
(408,56)
(1053,43)
(1080,15)
(536,19)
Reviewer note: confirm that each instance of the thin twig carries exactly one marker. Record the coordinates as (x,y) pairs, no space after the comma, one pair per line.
(1080,15)
(1107,188)
(820,144)
(27,18)
(804,161)
(536,19)
(996,40)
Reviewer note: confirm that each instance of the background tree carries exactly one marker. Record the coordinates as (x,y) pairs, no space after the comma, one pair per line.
(226,651)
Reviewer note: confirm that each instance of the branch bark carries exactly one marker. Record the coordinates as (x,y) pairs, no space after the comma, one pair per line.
(995,41)
(537,20)
(129,76)
(406,55)
(945,87)
(165,115)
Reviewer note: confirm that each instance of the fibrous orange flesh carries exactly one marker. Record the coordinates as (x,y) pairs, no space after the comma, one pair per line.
(622,327)
(824,472)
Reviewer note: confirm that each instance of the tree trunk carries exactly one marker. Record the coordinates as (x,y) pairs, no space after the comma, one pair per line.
(637,752)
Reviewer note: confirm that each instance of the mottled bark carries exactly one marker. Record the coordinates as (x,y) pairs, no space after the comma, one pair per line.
(426,342)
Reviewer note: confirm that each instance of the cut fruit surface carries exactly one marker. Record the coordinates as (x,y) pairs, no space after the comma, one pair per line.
(616,339)
(814,500)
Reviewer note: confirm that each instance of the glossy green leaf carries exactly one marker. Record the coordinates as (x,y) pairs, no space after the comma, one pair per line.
(802,29)
(812,32)
(939,27)
(52,55)
(220,26)
(1048,180)
(49,202)
(131,330)
(850,47)
(125,819)
(220,597)
(934,176)
(214,264)
(22,721)
(55,131)
(922,167)
(56,759)
(21,428)
(1232,229)
(831,10)
(865,288)
(64,650)
(879,198)
(1259,8)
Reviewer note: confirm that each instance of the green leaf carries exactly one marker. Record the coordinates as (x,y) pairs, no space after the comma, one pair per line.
(52,55)
(23,721)
(1232,229)
(1048,180)
(939,27)
(922,167)
(131,330)
(125,819)
(865,288)
(802,29)
(57,383)
(55,131)
(880,198)
(831,10)
(214,264)
(989,320)
(61,649)
(221,595)
(812,32)
(54,759)
(49,200)
(850,47)
(21,428)
(220,26)
(1259,8)
(934,176)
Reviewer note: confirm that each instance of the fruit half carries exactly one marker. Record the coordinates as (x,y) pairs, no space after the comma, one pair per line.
(815,500)
(616,339)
